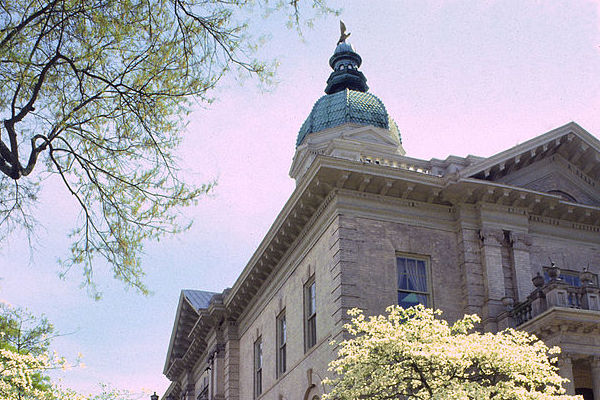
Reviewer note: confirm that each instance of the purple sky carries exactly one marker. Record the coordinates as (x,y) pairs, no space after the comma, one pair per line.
(458,77)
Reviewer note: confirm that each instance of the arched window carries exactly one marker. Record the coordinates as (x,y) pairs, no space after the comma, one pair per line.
(564,195)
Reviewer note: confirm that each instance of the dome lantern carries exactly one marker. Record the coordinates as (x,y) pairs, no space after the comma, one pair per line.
(345,63)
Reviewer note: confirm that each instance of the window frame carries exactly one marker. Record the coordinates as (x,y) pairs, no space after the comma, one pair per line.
(258,366)
(281,344)
(429,293)
(310,314)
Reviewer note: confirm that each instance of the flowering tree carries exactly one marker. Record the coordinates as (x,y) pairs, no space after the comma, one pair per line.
(25,361)
(413,354)
(24,355)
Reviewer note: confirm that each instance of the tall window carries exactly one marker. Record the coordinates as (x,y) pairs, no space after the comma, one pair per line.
(281,343)
(258,363)
(310,314)
(413,285)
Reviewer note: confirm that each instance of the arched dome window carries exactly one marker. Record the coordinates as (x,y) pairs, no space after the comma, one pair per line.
(564,195)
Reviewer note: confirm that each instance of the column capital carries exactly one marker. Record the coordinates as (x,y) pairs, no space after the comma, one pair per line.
(491,236)
(595,362)
(520,240)
(565,359)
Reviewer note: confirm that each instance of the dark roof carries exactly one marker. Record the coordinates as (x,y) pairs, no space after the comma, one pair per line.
(199,299)
(346,106)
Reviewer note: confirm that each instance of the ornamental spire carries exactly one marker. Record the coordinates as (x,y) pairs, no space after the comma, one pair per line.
(345,63)
(343,34)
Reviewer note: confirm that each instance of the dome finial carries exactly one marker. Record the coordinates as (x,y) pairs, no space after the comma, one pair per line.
(343,34)
(345,63)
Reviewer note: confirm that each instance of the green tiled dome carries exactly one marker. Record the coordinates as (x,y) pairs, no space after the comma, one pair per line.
(347,98)
(346,106)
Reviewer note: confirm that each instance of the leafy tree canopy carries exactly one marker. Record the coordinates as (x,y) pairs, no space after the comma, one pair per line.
(96,92)
(413,354)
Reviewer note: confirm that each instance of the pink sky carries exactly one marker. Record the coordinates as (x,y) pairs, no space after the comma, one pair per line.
(458,77)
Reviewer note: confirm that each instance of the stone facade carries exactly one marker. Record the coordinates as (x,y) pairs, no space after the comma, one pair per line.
(485,230)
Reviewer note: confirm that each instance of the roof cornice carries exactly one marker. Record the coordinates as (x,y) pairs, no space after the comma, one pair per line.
(535,147)
(324,175)
(183,307)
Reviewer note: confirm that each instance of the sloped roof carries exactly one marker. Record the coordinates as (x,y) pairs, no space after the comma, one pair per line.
(191,302)
(198,298)
(570,140)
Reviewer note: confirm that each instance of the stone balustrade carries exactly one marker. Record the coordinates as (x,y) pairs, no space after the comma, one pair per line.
(556,293)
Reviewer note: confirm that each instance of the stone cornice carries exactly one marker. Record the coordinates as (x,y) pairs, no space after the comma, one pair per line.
(317,185)
(172,391)
(312,231)
(573,140)
(541,204)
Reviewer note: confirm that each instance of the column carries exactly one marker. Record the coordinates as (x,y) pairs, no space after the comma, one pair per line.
(520,243)
(190,387)
(565,366)
(473,290)
(231,361)
(491,258)
(218,367)
(595,364)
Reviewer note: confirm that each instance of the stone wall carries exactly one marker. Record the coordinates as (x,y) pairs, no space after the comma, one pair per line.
(373,273)
(318,255)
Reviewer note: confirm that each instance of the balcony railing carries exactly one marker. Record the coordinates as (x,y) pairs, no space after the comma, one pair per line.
(557,293)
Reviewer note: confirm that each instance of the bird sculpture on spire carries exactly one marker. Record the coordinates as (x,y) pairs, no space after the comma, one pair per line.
(343,34)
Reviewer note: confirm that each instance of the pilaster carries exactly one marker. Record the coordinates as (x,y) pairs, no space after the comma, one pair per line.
(595,371)
(520,243)
(190,387)
(231,361)
(217,364)
(565,367)
(491,258)
(471,270)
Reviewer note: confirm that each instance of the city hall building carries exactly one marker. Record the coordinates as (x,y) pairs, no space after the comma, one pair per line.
(514,238)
